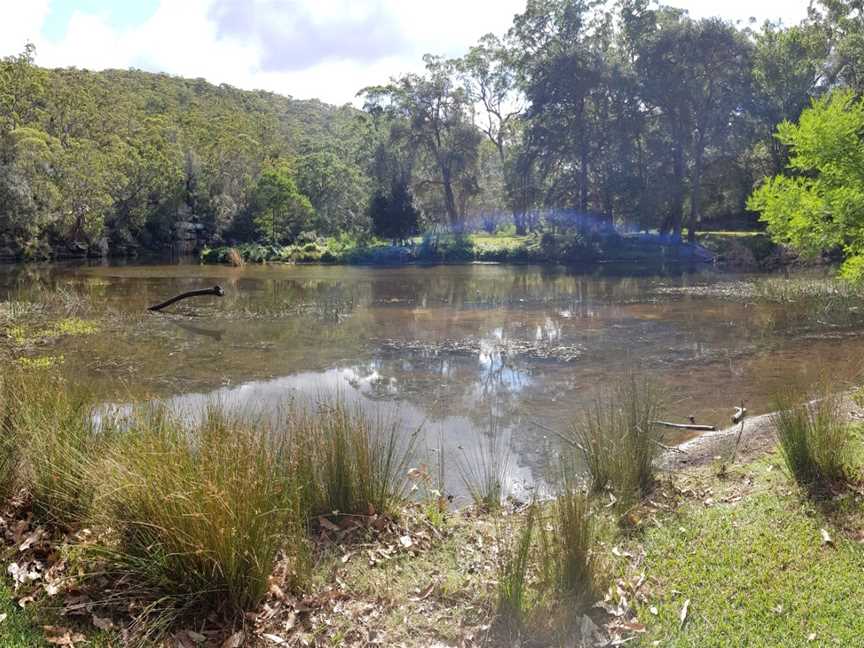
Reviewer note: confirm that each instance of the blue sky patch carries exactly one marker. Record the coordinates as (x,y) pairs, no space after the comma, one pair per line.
(121,14)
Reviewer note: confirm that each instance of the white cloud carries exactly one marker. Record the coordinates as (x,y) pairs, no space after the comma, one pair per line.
(20,22)
(305,48)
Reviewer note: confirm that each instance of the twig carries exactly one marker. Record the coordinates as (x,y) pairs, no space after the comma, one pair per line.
(686,426)
(563,437)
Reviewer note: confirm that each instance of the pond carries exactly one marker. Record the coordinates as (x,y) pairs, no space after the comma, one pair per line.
(463,351)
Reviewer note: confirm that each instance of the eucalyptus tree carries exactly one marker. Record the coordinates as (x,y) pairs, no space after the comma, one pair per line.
(432,112)
(790,69)
(695,75)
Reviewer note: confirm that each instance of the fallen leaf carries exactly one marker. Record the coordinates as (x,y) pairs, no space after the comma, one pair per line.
(811,636)
(276,639)
(235,640)
(102,623)
(621,554)
(684,612)
(327,524)
(3,617)
(826,537)
(653,610)
(197,637)
(406,541)
(634,626)
(423,594)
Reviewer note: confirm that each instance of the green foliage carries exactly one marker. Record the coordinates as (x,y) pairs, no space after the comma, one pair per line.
(393,216)
(280,211)
(819,208)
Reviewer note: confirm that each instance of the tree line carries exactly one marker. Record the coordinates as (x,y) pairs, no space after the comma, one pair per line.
(584,112)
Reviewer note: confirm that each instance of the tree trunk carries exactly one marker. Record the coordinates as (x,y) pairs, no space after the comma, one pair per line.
(677,212)
(449,197)
(695,193)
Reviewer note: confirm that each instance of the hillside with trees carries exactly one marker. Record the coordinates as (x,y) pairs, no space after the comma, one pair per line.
(582,116)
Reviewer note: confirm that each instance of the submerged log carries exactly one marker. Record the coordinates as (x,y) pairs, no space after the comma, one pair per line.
(686,426)
(214,291)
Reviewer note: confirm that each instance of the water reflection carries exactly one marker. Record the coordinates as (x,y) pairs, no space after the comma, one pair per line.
(465,349)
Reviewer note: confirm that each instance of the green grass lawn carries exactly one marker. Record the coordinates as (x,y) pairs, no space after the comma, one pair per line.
(18,628)
(757,570)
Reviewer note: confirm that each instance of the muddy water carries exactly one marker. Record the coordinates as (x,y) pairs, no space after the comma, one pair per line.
(460,350)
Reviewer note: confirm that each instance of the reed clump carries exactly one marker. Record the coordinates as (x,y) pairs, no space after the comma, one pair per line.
(813,435)
(618,439)
(191,511)
(51,433)
(485,471)
(350,462)
(199,511)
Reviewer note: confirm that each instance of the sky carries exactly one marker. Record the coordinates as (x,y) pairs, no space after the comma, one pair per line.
(326,49)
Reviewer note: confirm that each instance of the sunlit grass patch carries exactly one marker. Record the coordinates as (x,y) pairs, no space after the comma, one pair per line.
(758,570)
(40,362)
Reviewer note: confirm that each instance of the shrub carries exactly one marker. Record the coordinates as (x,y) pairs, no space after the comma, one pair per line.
(618,438)
(814,438)
(199,513)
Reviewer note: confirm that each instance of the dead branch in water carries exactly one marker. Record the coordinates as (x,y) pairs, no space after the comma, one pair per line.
(215,291)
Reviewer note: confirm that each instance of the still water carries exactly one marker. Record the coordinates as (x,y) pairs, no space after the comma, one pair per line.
(463,351)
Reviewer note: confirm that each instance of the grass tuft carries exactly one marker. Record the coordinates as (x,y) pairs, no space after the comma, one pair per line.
(617,438)
(814,436)
(485,472)
(199,513)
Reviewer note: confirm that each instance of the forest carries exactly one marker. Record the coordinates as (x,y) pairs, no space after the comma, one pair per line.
(584,114)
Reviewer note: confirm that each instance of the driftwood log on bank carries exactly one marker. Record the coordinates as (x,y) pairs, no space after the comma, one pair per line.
(214,291)
(686,426)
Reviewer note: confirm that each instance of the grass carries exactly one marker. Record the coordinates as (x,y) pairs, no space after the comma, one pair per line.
(814,437)
(617,438)
(754,565)
(485,472)
(514,587)
(351,463)
(19,628)
(199,513)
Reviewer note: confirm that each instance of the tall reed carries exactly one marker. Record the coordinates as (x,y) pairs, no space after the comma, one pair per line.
(352,462)
(566,539)
(485,469)
(200,512)
(618,439)
(57,441)
(814,437)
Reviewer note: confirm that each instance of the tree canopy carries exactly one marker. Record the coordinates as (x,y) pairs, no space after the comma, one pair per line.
(630,114)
